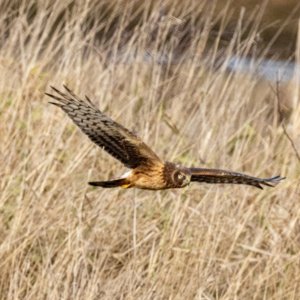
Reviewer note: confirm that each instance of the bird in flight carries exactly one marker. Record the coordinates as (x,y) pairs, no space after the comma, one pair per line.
(147,170)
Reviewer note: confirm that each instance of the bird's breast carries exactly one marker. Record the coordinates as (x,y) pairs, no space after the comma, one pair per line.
(148,178)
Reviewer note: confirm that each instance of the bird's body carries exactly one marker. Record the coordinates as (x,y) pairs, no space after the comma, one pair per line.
(158,177)
(147,170)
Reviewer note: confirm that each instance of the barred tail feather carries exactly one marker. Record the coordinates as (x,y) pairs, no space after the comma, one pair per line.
(122,182)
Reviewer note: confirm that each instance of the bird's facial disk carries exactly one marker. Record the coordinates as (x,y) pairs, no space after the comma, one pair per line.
(181,177)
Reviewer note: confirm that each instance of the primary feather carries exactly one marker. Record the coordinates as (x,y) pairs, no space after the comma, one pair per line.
(223,176)
(103,131)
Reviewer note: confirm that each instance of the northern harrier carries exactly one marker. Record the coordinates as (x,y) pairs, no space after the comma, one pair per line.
(147,170)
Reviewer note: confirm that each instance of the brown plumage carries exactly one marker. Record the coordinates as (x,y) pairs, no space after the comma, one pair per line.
(147,170)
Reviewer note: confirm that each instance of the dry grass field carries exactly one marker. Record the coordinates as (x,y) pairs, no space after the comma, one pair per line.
(62,239)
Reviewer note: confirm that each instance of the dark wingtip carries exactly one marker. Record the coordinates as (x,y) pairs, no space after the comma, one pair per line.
(51,95)
(48,94)
(54,89)
(55,103)
(259,186)
(273,181)
(67,88)
(54,97)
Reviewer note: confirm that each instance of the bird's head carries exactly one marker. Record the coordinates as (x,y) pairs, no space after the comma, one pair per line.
(181,176)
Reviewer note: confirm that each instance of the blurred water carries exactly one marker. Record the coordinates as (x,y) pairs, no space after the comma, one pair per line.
(268,69)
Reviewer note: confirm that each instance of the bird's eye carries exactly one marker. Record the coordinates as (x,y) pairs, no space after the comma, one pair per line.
(179,177)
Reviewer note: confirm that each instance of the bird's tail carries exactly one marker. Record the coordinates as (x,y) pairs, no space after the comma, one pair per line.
(122,182)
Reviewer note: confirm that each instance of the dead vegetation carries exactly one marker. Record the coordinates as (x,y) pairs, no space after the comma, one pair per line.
(61,239)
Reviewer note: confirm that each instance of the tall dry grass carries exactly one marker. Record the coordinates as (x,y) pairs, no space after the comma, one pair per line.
(61,239)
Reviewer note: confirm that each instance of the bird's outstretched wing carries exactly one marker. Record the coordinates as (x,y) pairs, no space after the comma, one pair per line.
(103,131)
(222,176)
